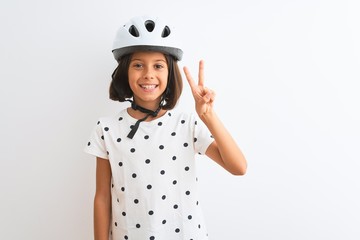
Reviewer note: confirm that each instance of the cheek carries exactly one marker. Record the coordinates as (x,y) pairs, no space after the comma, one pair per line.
(132,82)
(132,77)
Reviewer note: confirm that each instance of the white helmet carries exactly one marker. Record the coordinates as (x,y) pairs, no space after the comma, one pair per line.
(145,34)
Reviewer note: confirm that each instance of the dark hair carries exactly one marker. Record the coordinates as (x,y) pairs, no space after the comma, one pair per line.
(120,89)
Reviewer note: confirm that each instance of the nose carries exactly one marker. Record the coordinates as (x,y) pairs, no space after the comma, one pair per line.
(148,73)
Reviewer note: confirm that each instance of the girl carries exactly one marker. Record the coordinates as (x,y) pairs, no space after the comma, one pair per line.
(146,184)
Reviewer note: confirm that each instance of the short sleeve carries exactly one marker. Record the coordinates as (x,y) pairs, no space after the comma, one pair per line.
(96,144)
(202,137)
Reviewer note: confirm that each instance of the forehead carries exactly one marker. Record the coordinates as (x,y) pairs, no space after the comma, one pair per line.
(148,55)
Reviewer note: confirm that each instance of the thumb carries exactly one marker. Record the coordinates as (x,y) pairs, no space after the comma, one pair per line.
(207,97)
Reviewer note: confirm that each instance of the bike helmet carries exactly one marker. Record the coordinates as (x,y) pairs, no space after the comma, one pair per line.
(146,33)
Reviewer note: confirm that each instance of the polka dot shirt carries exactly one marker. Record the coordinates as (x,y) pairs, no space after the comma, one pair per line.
(154,182)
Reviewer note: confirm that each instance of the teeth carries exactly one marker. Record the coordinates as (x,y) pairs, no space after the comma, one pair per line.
(148,86)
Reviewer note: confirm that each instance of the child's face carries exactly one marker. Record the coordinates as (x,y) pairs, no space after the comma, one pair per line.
(148,74)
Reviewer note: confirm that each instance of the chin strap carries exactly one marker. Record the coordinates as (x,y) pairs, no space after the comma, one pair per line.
(147,111)
(143,110)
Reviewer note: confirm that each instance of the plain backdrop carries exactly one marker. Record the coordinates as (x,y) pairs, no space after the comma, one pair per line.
(286,74)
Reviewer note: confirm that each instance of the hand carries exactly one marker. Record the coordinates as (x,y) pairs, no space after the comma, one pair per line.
(204,97)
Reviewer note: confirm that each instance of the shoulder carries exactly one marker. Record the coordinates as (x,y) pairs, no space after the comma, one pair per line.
(183,117)
(110,120)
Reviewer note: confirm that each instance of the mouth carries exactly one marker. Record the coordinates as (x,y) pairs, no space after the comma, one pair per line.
(148,86)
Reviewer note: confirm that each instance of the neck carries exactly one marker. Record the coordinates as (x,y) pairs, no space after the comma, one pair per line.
(140,112)
(139,115)
(150,105)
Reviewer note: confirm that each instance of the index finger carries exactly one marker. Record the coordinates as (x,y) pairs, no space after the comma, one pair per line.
(189,77)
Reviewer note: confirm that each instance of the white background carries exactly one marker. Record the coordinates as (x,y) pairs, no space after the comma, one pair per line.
(286,74)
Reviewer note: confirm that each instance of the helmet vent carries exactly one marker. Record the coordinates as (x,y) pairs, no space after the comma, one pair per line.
(150,25)
(165,32)
(133,31)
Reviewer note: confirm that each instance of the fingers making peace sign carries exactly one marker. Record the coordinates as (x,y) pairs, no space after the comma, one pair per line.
(203,96)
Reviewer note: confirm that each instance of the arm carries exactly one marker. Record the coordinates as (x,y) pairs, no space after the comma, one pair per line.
(224,150)
(102,200)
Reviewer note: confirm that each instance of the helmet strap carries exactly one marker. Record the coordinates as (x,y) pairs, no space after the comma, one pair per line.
(143,110)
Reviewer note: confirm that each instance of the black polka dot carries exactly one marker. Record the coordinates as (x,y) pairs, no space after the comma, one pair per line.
(161,147)
(195,122)
(131,126)
(122,189)
(146,137)
(147,161)
(173,133)
(163,197)
(132,150)
(149,186)
(182,121)
(177,230)
(98,123)
(186,144)
(197,202)
(118,140)
(124,214)
(138,225)
(120,164)
(89,143)
(162,172)
(152,238)
(199,226)
(115,224)
(189,217)
(107,152)
(112,185)
(102,137)
(176,206)
(187,192)
(120,118)
(174,158)
(174,182)
(163,221)
(169,114)
(106,129)
(151,212)
(195,139)
(211,136)
(159,123)
(117,200)
(134,175)
(126,237)
(136,201)
(187,168)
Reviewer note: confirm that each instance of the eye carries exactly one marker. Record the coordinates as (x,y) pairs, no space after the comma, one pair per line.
(137,65)
(159,66)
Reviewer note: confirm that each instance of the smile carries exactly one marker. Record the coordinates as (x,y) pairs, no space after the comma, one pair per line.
(148,87)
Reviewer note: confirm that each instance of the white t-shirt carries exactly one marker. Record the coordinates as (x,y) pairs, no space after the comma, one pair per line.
(154,183)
